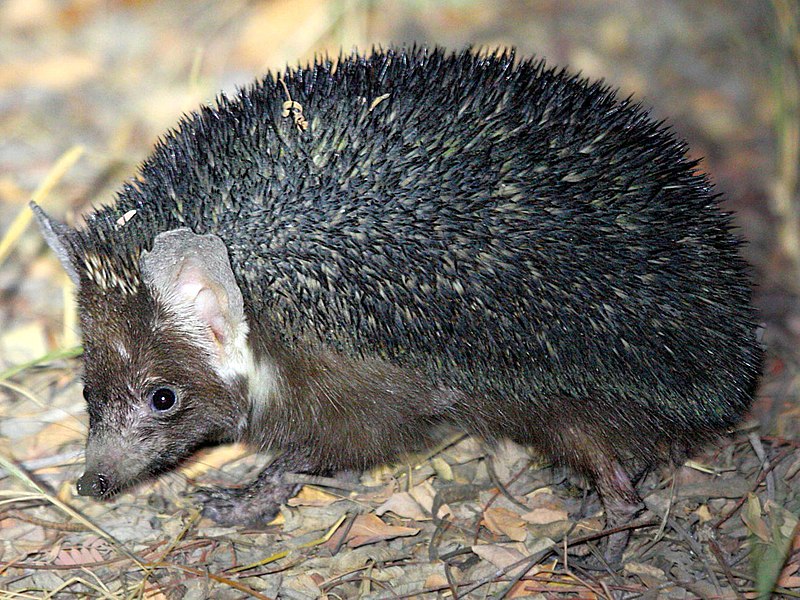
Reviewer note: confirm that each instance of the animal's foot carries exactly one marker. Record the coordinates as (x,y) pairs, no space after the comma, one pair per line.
(246,507)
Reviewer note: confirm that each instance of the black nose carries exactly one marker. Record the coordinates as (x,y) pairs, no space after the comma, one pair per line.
(91,484)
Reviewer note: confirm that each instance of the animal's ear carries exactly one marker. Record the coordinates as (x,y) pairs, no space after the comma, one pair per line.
(57,237)
(193,271)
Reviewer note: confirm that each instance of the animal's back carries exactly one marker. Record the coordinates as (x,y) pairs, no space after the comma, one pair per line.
(509,230)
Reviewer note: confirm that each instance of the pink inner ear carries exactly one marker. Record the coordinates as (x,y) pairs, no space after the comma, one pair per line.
(211,313)
(193,287)
(188,288)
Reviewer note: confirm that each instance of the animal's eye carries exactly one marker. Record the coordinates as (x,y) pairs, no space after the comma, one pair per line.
(162,399)
(86,393)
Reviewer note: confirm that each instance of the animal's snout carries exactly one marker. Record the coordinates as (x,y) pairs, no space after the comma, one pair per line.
(93,484)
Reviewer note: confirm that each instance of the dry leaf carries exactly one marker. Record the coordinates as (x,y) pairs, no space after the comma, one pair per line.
(210,460)
(501,555)
(435,581)
(545,516)
(403,505)
(789,578)
(89,552)
(304,586)
(368,529)
(309,496)
(703,513)
(643,569)
(443,470)
(753,519)
(502,521)
(424,495)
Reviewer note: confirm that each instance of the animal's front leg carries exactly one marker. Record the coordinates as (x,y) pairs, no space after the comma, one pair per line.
(257,503)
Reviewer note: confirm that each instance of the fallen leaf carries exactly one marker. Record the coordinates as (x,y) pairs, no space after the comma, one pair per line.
(703,513)
(435,581)
(789,578)
(403,505)
(368,529)
(216,458)
(424,494)
(443,470)
(643,569)
(545,516)
(753,519)
(309,496)
(501,555)
(502,521)
(88,552)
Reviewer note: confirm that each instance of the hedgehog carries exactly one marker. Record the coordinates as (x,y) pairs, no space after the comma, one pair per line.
(342,261)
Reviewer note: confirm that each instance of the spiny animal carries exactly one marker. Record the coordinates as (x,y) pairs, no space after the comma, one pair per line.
(338,262)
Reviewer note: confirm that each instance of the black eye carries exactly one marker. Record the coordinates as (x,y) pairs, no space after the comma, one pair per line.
(86,394)
(162,399)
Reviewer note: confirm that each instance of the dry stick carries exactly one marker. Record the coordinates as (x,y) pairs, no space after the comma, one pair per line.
(528,560)
(759,480)
(571,573)
(447,495)
(65,584)
(347,527)
(717,552)
(151,566)
(284,553)
(518,577)
(56,460)
(698,550)
(612,530)
(441,525)
(451,582)
(667,512)
(219,579)
(502,487)
(56,525)
(758,448)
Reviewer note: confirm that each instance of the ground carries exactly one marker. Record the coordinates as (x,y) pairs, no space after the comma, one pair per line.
(86,88)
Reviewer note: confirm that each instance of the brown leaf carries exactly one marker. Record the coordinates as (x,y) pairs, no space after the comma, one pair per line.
(435,581)
(424,494)
(312,497)
(403,505)
(545,516)
(753,519)
(789,578)
(368,529)
(210,460)
(502,521)
(501,555)
(78,555)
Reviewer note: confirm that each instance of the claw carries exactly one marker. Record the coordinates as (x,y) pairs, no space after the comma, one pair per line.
(247,507)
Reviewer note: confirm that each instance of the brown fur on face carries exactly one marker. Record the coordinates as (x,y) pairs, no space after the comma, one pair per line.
(132,347)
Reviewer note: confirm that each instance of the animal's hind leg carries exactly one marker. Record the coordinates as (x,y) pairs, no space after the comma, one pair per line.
(621,504)
(590,456)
